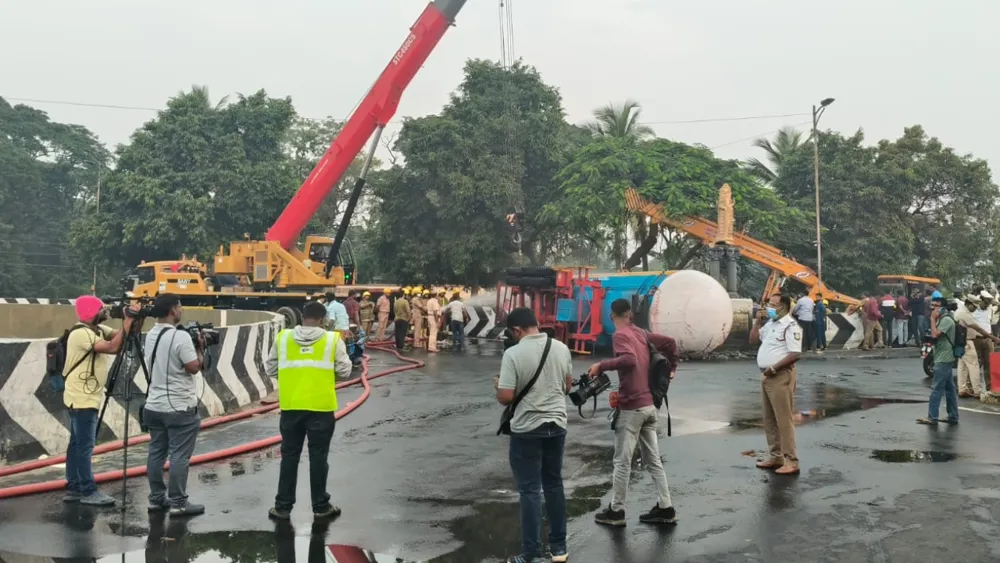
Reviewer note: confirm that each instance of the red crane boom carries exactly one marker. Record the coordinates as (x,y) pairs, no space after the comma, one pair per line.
(372,115)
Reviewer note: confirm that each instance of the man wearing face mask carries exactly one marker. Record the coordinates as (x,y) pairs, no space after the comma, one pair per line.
(780,339)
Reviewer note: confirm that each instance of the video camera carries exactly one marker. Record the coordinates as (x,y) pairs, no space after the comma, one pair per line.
(119,307)
(207,330)
(587,387)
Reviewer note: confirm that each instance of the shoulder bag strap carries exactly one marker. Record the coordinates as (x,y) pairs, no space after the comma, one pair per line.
(85,356)
(541,364)
(152,358)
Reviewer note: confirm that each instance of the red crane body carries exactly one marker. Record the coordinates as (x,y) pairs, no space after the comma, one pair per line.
(375,111)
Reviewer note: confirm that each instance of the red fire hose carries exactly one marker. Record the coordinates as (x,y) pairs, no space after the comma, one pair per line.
(60,484)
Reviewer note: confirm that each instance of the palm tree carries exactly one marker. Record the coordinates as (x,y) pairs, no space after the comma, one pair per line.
(620,121)
(786,142)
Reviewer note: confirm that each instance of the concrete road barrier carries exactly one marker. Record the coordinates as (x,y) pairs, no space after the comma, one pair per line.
(33,420)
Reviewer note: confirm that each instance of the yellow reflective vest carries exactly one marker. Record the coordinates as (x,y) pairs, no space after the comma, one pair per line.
(307,374)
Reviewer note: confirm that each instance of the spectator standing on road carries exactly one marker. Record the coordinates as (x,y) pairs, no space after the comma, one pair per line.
(917,317)
(336,314)
(89,351)
(171,409)
(870,320)
(401,310)
(901,319)
(637,415)
(383,306)
(984,344)
(887,307)
(820,324)
(803,313)
(457,317)
(307,361)
(943,332)
(353,308)
(538,431)
(780,341)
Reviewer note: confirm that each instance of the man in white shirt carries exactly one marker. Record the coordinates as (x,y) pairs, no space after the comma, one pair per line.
(780,339)
(336,314)
(804,313)
(455,311)
(984,343)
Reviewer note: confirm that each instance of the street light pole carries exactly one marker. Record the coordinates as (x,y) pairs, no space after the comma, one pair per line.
(817,113)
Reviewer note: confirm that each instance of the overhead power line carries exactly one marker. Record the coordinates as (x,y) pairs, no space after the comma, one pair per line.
(758,135)
(663,122)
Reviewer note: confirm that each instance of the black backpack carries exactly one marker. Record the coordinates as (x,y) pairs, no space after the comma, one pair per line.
(55,360)
(660,369)
(961,336)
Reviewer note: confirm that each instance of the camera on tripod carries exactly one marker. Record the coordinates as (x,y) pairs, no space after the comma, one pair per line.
(206,330)
(587,387)
(119,307)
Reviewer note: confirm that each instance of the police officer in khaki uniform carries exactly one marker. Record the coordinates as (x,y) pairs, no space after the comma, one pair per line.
(419,313)
(433,320)
(780,339)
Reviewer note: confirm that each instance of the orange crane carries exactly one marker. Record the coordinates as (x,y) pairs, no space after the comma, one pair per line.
(711,234)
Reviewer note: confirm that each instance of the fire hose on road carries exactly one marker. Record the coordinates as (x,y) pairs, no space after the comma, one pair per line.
(116,475)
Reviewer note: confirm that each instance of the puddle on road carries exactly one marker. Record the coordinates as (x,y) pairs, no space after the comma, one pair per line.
(913,456)
(827,401)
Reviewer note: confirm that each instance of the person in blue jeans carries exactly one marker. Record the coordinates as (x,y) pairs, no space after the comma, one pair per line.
(942,325)
(538,431)
(819,316)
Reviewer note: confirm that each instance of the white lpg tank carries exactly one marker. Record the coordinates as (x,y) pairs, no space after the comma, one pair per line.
(694,309)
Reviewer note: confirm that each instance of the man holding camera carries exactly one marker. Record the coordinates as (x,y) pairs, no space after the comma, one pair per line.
(307,361)
(171,410)
(637,416)
(537,430)
(90,348)
(780,339)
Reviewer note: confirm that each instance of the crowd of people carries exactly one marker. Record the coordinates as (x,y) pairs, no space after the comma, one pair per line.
(424,317)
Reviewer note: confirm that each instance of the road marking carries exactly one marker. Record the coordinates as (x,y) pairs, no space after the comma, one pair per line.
(980,411)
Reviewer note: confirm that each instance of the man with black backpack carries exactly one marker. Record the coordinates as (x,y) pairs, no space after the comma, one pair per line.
(638,360)
(90,347)
(949,344)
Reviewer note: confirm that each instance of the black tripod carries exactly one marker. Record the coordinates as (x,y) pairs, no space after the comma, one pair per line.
(124,363)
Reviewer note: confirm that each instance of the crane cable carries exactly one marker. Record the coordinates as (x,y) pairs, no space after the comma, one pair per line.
(511,145)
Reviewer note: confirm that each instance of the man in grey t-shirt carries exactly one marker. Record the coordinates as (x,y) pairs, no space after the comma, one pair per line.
(171,409)
(538,431)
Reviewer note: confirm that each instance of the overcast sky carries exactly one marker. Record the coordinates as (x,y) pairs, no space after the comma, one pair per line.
(889,63)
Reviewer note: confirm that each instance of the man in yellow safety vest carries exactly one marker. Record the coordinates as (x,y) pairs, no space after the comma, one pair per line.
(307,362)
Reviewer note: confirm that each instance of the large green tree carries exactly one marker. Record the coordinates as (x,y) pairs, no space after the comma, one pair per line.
(785,142)
(199,174)
(685,178)
(48,173)
(494,148)
(905,206)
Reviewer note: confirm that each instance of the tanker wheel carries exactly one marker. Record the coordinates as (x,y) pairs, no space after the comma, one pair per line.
(293,317)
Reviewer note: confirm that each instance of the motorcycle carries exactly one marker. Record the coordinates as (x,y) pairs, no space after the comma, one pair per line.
(927,355)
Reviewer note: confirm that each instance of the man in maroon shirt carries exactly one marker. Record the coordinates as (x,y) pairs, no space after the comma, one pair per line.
(353,307)
(870,317)
(637,416)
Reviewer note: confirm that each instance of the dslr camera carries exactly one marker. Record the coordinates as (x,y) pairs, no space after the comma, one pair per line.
(207,330)
(587,387)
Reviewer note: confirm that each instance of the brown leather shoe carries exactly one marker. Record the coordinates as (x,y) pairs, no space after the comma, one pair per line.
(787,470)
(769,464)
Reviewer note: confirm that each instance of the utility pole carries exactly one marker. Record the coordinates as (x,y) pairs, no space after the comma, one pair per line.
(817,113)
(93,286)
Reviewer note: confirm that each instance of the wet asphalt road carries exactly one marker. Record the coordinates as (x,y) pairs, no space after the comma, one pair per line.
(421,476)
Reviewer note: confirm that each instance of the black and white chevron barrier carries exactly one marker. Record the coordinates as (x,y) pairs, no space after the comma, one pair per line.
(844,332)
(32,301)
(33,419)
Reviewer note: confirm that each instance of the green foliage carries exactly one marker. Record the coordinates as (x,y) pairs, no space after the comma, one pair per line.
(495,147)
(686,179)
(910,206)
(196,176)
(786,142)
(49,171)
